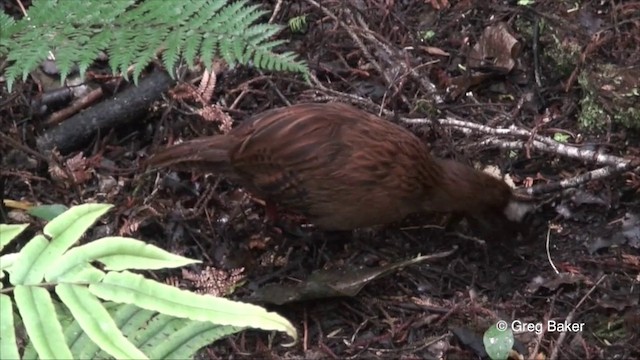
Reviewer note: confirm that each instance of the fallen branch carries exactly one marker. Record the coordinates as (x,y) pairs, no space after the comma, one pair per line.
(129,105)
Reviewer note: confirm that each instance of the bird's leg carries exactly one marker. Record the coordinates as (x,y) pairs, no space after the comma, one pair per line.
(271,212)
(284,223)
(451,221)
(337,235)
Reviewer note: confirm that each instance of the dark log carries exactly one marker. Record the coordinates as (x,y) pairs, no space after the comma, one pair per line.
(129,105)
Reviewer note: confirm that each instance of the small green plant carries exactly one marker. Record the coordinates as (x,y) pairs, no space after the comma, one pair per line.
(498,340)
(560,137)
(426,35)
(109,311)
(563,52)
(592,116)
(298,23)
(610,95)
(133,33)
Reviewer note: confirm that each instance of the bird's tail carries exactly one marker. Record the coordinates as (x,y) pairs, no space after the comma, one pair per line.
(205,154)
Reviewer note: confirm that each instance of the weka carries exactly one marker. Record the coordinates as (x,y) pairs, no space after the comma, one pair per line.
(342,168)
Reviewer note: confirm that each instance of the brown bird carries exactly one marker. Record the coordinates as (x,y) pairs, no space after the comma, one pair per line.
(342,168)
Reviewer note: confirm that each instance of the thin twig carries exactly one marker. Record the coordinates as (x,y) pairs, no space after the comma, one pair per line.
(569,319)
(356,39)
(276,11)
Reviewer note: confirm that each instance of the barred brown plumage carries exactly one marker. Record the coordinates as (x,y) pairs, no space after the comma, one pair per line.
(341,167)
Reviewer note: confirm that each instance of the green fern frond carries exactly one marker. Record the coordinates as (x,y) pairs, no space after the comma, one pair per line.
(244,16)
(230,13)
(6,24)
(296,24)
(134,33)
(173,46)
(225,49)
(260,33)
(279,62)
(26,58)
(191,48)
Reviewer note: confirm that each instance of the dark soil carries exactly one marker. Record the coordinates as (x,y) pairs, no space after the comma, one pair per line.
(434,309)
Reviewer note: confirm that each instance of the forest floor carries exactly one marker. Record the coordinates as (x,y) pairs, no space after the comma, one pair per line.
(553,72)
